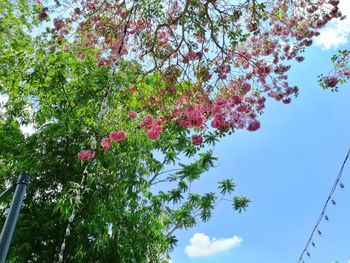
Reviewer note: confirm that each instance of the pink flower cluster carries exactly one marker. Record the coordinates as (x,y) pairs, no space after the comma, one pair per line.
(235,113)
(85,155)
(117,135)
(163,38)
(106,143)
(153,126)
(191,56)
(197,140)
(236,108)
(280,34)
(132,114)
(223,70)
(225,75)
(192,116)
(114,136)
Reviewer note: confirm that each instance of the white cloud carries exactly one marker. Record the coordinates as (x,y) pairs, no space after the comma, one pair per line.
(338,31)
(202,246)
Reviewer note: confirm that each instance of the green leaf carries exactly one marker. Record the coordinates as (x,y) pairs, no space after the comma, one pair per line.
(227,186)
(240,203)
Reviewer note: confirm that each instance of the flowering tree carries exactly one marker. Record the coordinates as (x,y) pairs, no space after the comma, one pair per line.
(117,92)
(235,53)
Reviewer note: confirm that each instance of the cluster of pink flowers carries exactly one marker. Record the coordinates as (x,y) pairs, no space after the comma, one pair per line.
(85,155)
(197,140)
(106,143)
(114,136)
(340,74)
(132,114)
(163,38)
(43,14)
(153,126)
(223,70)
(236,113)
(192,116)
(191,56)
(117,136)
(236,107)
(285,29)
(256,53)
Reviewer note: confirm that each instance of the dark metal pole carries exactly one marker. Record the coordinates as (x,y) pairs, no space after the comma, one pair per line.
(12,216)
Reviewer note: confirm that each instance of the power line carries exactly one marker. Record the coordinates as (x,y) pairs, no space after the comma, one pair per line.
(323,215)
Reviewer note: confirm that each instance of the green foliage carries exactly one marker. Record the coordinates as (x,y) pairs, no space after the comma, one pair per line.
(240,203)
(227,186)
(340,73)
(70,101)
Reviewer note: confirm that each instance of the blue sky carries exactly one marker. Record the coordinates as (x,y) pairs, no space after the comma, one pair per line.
(287,169)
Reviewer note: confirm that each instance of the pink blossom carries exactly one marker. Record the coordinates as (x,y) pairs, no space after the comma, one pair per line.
(233,102)
(117,136)
(106,143)
(147,122)
(132,115)
(43,14)
(246,87)
(254,125)
(85,155)
(197,140)
(157,128)
(331,81)
(287,100)
(153,134)
(77,11)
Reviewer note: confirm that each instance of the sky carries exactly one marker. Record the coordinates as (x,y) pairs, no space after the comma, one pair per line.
(287,169)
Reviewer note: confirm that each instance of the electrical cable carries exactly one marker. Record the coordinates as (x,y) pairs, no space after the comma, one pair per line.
(322,215)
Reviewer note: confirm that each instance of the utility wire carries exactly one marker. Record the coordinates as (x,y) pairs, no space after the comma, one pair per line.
(322,215)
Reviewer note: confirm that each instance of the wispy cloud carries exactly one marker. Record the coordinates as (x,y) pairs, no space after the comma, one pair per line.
(337,33)
(202,246)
